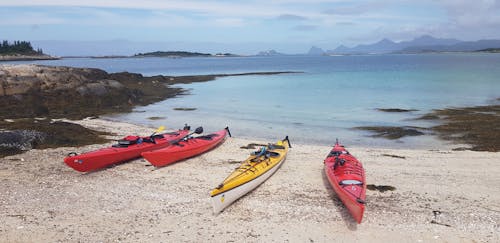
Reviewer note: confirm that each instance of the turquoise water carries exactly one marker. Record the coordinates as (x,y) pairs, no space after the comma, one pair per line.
(332,95)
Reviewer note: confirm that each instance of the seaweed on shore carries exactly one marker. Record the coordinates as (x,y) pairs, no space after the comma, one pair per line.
(380,188)
(478,126)
(184,109)
(392,132)
(155,118)
(24,134)
(394,156)
(395,110)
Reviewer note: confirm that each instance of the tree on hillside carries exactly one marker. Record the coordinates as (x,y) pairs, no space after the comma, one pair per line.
(18,48)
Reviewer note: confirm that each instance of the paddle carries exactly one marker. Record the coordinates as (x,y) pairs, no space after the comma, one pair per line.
(228,132)
(289,144)
(152,138)
(198,130)
(161,128)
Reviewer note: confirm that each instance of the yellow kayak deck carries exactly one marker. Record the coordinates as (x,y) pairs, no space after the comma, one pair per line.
(254,166)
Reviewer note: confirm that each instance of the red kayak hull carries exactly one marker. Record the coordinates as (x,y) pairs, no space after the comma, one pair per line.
(184,149)
(347,178)
(112,155)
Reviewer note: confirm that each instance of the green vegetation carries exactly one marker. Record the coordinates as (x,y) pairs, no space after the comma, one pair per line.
(172,54)
(18,48)
(492,50)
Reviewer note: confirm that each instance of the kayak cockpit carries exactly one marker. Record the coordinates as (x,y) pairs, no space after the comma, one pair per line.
(350,182)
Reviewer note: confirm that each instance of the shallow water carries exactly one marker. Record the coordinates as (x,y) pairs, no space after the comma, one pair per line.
(331,96)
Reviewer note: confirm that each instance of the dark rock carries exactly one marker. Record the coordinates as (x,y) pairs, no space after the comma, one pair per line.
(395,110)
(184,109)
(380,188)
(20,140)
(392,132)
(25,134)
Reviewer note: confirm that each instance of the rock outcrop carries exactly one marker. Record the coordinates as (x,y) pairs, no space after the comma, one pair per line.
(34,90)
(20,79)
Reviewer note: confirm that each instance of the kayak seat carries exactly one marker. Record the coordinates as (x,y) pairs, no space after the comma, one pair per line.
(350,182)
(149,140)
(131,140)
(126,142)
(275,146)
(160,136)
(119,146)
(337,153)
(334,153)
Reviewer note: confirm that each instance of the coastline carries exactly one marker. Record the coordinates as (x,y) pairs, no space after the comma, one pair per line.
(34,94)
(8,58)
(439,195)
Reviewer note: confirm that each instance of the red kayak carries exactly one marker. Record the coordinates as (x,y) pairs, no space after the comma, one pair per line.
(185,148)
(347,177)
(129,148)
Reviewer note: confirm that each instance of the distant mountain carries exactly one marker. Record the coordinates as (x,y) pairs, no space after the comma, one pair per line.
(269,53)
(427,40)
(457,47)
(315,51)
(383,46)
(424,43)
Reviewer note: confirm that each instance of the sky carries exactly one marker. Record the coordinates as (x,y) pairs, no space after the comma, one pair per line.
(242,27)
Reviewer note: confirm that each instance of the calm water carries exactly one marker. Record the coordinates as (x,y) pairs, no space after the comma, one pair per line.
(333,94)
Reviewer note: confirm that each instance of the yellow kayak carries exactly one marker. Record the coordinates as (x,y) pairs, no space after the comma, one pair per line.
(250,174)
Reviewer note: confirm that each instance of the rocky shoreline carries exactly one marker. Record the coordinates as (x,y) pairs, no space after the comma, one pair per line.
(54,92)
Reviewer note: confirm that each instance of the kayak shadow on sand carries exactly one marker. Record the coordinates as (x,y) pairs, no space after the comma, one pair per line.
(344,213)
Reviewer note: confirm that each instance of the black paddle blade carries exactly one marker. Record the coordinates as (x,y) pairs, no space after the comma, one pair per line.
(289,144)
(228,132)
(198,130)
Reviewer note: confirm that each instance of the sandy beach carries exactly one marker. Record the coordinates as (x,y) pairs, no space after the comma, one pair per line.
(440,196)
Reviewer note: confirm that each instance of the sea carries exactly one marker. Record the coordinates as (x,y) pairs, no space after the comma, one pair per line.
(326,99)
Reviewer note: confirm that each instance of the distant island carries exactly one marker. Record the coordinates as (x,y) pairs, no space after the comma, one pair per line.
(490,50)
(269,53)
(176,54)
(21,50)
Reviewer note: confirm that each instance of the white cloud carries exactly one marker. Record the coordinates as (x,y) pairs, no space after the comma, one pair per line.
(28,18)
(206,7)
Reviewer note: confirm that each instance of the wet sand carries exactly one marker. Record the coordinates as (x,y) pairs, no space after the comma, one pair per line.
(440,195)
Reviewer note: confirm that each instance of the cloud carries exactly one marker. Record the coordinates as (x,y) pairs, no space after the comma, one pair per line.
(229,8)
(473,14)
(30,18)
(355,9)
(305,27)
(290,17)
(345,23)
(229,22)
